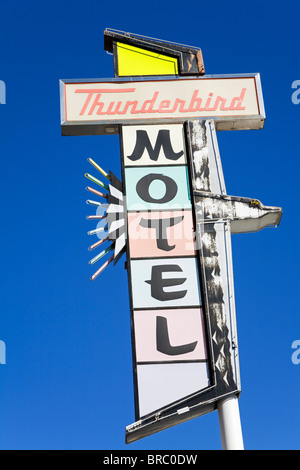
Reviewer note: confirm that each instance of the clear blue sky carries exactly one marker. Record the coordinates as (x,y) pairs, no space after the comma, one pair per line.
(67,383)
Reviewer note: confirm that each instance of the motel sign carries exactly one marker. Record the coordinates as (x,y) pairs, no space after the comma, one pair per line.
(173,217)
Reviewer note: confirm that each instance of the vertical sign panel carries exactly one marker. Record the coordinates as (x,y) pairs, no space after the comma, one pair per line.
(168,325)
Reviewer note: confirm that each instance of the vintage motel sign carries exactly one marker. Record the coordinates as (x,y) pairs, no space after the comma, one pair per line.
(173,217)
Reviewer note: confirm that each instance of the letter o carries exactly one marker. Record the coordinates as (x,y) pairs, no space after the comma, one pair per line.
(144,183)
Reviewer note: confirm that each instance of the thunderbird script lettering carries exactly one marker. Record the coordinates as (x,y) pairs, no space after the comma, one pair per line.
(93,104)
(99,103)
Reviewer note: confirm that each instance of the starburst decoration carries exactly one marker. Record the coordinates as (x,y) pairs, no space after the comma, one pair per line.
(111,228)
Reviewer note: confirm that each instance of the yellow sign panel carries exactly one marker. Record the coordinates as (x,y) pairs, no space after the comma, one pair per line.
(136,61)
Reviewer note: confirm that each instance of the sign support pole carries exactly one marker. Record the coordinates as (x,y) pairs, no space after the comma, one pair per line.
(230,424)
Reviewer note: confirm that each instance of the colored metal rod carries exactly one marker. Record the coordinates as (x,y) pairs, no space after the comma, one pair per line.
(97,243)
(95,165)
(92,190)
(96,274)
(94,203)
(95,217)
(100,255)
(95,180)
(98,230)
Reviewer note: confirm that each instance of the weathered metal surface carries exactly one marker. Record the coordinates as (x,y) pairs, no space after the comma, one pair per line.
(214,244)
(244,214)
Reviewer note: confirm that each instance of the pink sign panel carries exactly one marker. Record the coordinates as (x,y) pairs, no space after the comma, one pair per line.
(161,234)
(169,335)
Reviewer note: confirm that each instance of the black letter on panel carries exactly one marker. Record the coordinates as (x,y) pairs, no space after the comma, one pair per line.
(161,226)
(163,343)
(163,140)
(142,188)
(157,282)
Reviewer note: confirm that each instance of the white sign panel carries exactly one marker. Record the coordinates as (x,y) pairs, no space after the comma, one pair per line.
(91,106)
(162,384)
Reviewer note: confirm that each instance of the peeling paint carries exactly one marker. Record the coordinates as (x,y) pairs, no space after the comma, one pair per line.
(206,212)
(200,156)
(242,213)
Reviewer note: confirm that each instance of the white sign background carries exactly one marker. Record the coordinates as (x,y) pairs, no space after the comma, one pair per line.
(237,98)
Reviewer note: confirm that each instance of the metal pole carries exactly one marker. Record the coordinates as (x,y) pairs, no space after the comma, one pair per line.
(230,424)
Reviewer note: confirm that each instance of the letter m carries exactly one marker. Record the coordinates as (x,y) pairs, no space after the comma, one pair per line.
(163,141)
(2,92)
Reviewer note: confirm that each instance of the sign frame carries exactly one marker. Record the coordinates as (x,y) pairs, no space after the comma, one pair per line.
(111,126)
(203,401)
(164,410)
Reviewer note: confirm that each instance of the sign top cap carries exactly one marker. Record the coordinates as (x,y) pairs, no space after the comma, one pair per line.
(190,60)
